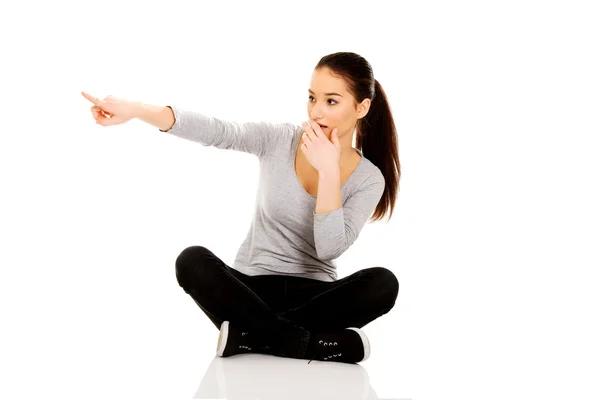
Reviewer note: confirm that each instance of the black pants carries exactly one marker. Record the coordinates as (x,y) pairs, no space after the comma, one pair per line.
(283,310)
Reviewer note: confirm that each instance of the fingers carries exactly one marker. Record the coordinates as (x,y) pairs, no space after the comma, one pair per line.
(305,137)
(318,130)
(101,116)
(95,111)
(314,130)
(309,133)
(306,141)
(93,99)
(109,121)
(99,113)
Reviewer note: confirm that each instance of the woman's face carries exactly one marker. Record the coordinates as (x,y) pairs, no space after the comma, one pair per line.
(330,104)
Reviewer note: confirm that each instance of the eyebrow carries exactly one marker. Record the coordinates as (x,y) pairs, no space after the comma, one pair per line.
(328,94)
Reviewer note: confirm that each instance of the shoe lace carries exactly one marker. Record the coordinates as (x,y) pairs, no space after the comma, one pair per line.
(312,357)
(315,351)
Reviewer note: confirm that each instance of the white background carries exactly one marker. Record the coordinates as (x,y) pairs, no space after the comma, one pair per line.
(494,239)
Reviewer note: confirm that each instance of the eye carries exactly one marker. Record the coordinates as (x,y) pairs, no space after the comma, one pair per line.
(334,102)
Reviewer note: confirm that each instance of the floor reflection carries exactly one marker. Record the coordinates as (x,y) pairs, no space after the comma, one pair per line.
(265,377)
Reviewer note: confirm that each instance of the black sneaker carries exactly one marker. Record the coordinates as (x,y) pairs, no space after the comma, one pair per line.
(233,340)
(350,345)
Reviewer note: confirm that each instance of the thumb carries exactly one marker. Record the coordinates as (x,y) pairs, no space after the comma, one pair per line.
(114,120)
(334,136)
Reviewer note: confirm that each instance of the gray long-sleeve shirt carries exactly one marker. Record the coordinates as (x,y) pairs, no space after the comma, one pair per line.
(286,236)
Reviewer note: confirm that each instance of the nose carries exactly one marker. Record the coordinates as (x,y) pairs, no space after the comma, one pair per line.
(316,116)
(315,113)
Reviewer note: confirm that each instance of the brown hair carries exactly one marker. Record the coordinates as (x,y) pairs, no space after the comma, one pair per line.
(376,133)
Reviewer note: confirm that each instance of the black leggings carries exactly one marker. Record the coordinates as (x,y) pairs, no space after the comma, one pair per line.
(283,309)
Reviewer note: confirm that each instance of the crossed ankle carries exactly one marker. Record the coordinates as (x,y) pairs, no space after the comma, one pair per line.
(287,342)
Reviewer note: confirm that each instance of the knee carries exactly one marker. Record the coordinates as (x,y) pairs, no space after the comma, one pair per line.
(190,260)
(385,285)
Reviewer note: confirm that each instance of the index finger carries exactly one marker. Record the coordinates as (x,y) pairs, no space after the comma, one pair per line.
(92,98)
(317,131)
(308,130)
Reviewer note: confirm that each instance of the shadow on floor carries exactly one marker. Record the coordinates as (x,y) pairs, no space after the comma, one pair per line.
(253,376)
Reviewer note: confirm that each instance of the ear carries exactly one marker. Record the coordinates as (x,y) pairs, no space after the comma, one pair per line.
(363,108)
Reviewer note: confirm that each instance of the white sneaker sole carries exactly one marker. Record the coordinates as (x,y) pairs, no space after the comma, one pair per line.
(222,338)
(365,341)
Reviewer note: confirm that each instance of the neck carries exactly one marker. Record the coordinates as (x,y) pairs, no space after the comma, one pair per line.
(347,153)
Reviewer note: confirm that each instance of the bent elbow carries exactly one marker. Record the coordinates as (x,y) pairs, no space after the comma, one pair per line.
(329,254)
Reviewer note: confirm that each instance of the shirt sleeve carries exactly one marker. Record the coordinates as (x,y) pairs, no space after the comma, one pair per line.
(338,229)
(257,138)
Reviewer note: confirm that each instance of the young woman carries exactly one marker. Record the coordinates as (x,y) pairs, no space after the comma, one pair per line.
(316,191)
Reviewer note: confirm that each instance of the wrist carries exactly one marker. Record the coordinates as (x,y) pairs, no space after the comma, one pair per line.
(137,109)
(330,171)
